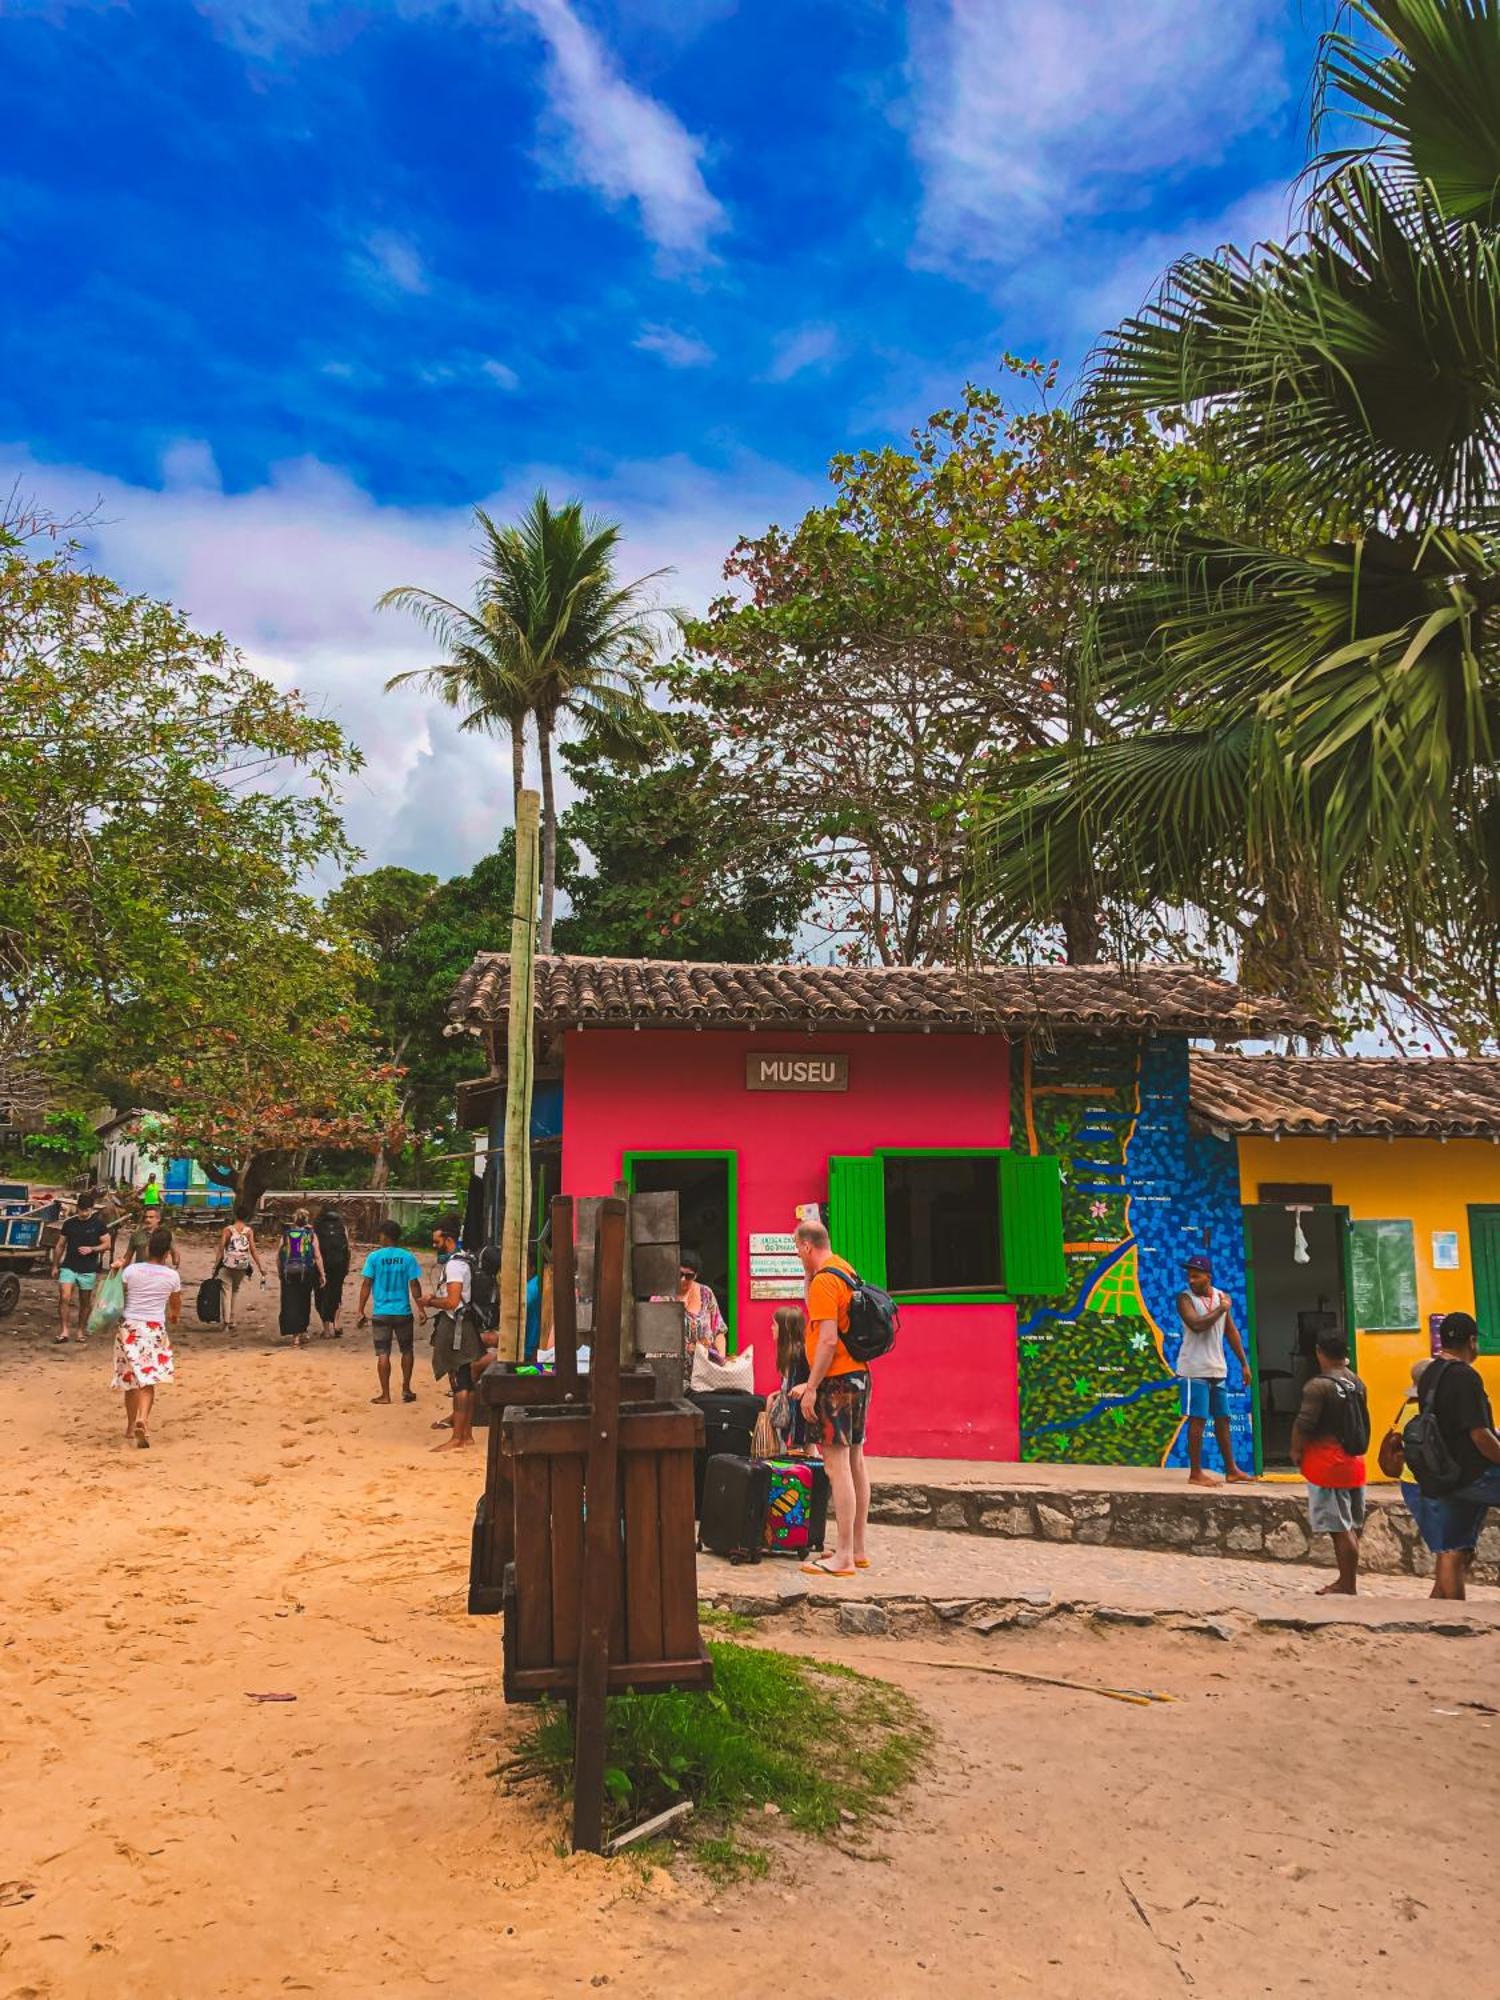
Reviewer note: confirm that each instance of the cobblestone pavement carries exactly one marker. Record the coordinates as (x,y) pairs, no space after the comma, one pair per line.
(930,1564)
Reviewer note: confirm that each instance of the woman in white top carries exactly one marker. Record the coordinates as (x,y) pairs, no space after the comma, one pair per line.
(237,1252)
(143,1347)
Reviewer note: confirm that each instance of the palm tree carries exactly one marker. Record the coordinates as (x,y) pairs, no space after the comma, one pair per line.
(1303,713)
(553,637)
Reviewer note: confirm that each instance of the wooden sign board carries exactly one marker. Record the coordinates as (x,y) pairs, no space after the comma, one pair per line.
(773,1246)
(789,1072)
(776,1288)
(775,1267)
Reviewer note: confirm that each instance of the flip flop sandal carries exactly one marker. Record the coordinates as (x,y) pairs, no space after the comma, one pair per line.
(861,1562)
(142,1442)
(816,1568)
(408,1396)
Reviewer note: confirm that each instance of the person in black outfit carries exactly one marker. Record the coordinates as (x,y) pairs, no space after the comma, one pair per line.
(1453,1389)
(333,1242)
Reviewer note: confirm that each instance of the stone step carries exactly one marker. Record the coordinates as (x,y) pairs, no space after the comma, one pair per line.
(1249,1523)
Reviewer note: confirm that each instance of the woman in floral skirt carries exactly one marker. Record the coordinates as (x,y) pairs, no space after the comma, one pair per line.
(143,1346)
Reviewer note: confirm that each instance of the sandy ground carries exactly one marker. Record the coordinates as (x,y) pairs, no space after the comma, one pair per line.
(1309,1814)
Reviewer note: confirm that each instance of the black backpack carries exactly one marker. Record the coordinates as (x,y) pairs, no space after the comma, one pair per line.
(333,1238)
(874,1318)
(1429,1457)
(1348,1414)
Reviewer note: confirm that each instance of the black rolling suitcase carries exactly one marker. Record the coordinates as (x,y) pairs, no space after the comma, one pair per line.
(728,1426)
(736,1497)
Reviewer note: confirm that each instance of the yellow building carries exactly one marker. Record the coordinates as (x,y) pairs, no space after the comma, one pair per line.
(1371,1195)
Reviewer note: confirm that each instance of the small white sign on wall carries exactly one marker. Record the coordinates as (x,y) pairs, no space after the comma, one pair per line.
(773,1246)
(1445,1249)
(776,1288)
(775,1267)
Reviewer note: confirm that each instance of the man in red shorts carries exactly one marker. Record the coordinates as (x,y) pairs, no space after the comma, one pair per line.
(835,1399)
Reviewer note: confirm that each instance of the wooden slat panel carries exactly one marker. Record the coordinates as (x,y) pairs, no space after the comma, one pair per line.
(564,1290)
(652,1427)
(533,1562)
(535,1683)
(567,1558)
(679,1558)
(642,1556)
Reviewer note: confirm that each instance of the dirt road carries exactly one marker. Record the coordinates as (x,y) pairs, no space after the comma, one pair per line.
(1308,1814)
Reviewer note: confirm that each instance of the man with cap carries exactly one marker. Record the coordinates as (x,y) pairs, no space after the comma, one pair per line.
(1206,1324)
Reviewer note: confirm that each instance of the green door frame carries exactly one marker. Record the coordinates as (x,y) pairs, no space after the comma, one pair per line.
(1341,1212)
(731,1305)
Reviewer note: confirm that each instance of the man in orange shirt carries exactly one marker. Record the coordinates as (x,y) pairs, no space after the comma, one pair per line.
(835,1399)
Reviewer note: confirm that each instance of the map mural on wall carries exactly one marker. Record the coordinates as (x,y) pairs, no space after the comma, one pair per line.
(1140,1193)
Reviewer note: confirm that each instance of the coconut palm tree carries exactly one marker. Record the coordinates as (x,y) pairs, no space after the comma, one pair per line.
(554,638)
(1303,715)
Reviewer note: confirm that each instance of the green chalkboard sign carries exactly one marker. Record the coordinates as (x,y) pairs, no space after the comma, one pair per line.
(1383,1264)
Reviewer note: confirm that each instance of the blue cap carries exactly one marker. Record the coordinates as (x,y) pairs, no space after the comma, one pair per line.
(1199,1263)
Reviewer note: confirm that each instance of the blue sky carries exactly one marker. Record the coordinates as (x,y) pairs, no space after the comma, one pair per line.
(290,285)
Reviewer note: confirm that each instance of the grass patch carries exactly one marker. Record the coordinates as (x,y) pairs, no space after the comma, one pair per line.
(817,1741)
(727,1624)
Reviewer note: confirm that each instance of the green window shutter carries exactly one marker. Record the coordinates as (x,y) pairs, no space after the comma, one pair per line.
(1031,1225)
(1484,1249)
(856,1213)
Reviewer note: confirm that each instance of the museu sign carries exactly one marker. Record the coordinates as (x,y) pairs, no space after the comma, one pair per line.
(773,1072)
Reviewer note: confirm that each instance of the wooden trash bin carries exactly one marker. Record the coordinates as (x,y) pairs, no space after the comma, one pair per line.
(654,1641)
(503,1387)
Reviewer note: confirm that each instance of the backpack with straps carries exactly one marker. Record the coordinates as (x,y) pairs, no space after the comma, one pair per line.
(874,1317)
(299,1251)
(1348,1415)
(1429,1458)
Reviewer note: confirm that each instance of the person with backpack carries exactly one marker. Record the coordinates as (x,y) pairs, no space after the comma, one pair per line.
(1330,1437)
(1452,1454)
(299,1265)
(332,1233)
(237,1253)
(457,1337)
(835,1398)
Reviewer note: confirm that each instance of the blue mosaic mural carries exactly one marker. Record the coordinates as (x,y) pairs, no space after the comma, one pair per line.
(1140,1193)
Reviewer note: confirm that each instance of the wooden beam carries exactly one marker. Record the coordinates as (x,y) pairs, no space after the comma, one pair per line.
(519,1057)
(601,1545)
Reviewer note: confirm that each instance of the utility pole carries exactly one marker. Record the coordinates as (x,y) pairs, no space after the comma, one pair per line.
(519,1063)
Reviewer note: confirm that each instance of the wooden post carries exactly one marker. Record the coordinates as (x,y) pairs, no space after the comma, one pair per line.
(520,1056)
(601,1546)
(564,1292)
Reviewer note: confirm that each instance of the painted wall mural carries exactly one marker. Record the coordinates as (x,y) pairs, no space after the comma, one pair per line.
(1140,1193)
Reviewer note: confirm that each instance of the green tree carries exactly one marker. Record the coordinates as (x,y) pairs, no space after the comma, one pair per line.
(281,1059)
(1306,707)
(159,804)
(900,647)
(670,877)
(554,636)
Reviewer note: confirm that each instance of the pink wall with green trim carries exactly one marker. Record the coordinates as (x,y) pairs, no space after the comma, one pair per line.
(948,1390)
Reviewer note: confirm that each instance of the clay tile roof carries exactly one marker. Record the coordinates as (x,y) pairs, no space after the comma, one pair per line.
(663,993)
(1430,1097)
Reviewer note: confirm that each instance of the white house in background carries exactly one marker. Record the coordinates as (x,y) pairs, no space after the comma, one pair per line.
(124,1155)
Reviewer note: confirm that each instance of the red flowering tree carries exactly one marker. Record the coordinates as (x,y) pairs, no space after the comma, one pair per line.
(283,1059)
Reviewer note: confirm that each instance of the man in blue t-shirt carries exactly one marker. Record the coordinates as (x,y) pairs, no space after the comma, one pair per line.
(393,1284)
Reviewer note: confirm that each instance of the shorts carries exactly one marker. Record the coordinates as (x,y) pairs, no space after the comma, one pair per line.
(1336,1510)
(1453,1522)
(84,1280)
(1205,1397)
(461,1379)
(400,1328)
(841,1411)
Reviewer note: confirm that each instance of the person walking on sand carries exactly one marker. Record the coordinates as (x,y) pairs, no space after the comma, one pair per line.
(1329,1439)
(835,1399)
(82,1241)
(456,1341)
(1451,1392)
(299,1265)
(1206,1324)
(237,1253)
(392,1283)
(143,1344)
(333,1244)
(151,1200)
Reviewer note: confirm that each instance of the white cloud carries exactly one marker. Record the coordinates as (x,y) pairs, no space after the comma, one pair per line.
(290,572)
(677,349)
(1028,118)
(804,347)
(502,376)
(620,141)
(394,260)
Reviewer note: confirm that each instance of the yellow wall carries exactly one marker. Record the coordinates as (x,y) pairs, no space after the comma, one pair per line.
(1426,1181)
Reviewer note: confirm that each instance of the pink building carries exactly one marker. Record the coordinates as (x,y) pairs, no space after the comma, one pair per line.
(882,1098)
